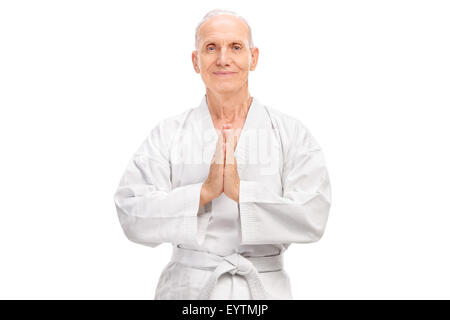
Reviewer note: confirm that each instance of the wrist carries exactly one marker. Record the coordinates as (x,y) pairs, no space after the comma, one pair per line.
(205,195)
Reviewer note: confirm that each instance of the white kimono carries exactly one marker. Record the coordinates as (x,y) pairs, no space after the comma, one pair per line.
(225,250)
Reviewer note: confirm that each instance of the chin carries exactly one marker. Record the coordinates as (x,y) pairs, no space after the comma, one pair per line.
(225,87)
(226,91)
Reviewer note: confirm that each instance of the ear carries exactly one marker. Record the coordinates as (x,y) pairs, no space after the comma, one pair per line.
(195,61)
(254,60)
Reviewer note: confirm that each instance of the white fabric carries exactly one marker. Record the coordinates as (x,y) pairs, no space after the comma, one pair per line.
(284,197)
(234,263)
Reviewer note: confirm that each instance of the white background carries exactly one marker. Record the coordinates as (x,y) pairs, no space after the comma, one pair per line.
(82,83)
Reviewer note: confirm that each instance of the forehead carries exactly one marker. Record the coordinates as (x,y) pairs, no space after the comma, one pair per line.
(223,28)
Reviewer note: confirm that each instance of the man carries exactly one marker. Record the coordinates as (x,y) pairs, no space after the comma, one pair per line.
(231,183)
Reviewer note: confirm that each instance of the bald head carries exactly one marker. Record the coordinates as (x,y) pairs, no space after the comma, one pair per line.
(223,20)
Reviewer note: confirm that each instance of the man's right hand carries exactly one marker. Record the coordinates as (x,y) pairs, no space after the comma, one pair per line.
(213,186)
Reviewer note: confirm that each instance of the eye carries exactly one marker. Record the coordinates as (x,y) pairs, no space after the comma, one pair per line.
(237,47)
(211,47)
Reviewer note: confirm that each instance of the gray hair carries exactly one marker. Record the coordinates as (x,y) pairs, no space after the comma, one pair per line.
(216,12)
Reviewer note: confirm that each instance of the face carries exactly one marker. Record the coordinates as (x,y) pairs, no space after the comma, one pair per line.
(223,57)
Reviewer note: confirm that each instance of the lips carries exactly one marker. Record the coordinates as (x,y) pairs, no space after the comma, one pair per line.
(224,73)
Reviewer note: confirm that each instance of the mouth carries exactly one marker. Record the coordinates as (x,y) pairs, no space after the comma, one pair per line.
(224,73)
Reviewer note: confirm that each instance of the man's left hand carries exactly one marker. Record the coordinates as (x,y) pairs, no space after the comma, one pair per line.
(231,179)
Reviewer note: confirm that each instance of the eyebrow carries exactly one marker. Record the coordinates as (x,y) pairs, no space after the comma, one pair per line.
(213,41)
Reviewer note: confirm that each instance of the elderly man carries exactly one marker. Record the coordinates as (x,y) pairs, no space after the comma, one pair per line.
(230,183)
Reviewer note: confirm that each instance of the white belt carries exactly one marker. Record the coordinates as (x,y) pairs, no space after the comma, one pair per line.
(249,267)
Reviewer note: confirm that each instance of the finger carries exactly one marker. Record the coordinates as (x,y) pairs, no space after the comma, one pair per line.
(232,136)
(235,138)
(229,153)
(226,128)
(219,154)
(223,143)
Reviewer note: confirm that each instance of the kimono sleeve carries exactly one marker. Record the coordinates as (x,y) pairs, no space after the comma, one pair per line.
(150,211)
(298,215)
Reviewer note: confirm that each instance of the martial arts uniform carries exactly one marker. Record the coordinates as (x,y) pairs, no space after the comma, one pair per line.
(224,249)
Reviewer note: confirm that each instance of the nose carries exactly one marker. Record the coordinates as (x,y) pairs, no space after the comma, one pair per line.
(223,59)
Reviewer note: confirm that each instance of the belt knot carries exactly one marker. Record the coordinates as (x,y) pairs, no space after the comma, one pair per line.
(242,266)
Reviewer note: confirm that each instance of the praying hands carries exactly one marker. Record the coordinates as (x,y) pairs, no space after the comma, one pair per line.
(223,174)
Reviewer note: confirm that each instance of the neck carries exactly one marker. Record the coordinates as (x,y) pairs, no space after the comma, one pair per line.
(228,107)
